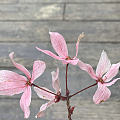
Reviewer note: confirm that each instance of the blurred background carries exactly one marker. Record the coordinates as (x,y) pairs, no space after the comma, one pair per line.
(25,24)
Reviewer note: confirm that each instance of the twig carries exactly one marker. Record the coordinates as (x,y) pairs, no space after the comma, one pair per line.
(62,97)
(83,90)
(67,95)
(67,91)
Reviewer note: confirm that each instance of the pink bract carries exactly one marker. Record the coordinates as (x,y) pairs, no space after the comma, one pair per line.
(12,83)
(48,96)
(104,74)
(60,47)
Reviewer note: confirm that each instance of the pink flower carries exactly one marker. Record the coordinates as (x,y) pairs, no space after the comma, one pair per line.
(12,83)
(60,47)
(48,96)
(104,74)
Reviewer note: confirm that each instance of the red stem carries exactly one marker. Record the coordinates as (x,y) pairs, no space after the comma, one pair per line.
(63,97)
(67,91)
(83,90)
(67,96)
(43,89)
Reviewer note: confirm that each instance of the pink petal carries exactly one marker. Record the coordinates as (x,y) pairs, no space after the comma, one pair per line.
(11,83)
(38,69)
(112,82)
(88,68)
(25,102)
(77,44)
(40,114)
(55,80)
(103,65)
(10,91)
(112,72)
(6,75)
(73,62)
(59,44)
(43,94)
(43,108)
(102,94)
(49,53)
(19,66)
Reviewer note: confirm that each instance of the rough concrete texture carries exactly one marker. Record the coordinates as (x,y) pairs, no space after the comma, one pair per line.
(25,24)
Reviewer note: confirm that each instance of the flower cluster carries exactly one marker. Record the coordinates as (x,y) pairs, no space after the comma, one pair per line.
(12,83)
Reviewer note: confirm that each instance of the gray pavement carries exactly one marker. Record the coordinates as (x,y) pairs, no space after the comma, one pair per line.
(25,24)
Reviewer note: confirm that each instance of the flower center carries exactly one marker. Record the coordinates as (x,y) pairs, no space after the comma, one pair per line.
(100,80)
(68,58)
(29,83)
(101,101)
(57,98)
